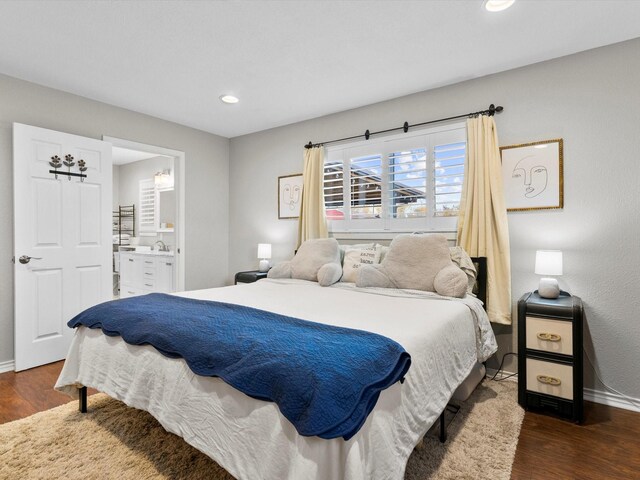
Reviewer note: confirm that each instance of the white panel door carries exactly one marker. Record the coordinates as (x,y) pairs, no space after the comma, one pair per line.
(62,239)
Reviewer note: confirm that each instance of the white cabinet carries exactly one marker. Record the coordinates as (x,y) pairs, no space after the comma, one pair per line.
(164,274)
(144,273)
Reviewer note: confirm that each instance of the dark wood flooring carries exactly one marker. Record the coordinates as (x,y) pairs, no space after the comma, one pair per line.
(606,446)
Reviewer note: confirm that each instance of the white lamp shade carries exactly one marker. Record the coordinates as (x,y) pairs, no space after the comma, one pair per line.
(548,262)
(264,250)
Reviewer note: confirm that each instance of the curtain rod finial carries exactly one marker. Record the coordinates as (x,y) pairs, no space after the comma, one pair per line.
(493,109)
(309,145)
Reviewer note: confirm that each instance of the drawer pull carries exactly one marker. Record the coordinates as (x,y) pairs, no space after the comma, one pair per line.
(549,337)
(131,259)
(148,273)
(149,285)
(547,380)
(147,261)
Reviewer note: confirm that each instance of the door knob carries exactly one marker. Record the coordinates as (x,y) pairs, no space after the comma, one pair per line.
(26,259)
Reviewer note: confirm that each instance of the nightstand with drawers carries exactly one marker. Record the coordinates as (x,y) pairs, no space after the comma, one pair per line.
(550,354)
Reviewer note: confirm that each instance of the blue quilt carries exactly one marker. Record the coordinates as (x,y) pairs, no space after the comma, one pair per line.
(325,379)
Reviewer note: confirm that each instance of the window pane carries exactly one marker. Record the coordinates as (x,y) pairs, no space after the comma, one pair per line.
(365,187)
(449,188)
(447,209)
(333,191)
(448,178)
(408,183)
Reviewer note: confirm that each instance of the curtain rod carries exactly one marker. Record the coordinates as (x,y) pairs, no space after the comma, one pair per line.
(405,128)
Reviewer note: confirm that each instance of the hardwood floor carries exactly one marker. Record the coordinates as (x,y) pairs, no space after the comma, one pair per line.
(606,446)
(31,391)
(25,393)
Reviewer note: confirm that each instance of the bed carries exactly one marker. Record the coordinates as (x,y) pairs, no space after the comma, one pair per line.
(250,438)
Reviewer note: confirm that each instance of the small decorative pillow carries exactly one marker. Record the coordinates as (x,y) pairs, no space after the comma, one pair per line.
(354,258)
(344,248)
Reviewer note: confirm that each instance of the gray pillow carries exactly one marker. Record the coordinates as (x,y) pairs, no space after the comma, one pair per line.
(463,261)
(418,262)
(316,260)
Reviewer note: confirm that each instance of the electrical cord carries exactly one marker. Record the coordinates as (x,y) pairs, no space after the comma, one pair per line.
(500,368)
(611,389)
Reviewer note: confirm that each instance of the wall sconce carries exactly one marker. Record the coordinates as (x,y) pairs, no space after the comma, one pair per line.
(548,262)
(163,179)
(264,254)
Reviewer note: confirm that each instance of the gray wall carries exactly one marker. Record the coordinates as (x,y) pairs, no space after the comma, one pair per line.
(592,100)
(132,173)
(206,169)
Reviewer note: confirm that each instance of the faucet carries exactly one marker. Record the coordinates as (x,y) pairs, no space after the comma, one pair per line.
(163,247)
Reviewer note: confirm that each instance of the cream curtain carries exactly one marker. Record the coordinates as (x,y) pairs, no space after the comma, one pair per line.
(482,225)
(313,223)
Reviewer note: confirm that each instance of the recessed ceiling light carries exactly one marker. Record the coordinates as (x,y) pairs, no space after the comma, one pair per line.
(229,99)
(497,5)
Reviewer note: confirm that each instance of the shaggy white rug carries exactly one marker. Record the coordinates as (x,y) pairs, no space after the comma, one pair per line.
(113,441)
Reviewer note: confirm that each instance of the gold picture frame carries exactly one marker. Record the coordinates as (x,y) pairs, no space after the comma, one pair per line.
(533,176)
(289,195)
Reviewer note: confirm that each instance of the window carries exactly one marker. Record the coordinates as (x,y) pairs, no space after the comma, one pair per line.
(400,183)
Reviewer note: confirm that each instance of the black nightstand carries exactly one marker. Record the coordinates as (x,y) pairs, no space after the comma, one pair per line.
(550,354)
(249,276)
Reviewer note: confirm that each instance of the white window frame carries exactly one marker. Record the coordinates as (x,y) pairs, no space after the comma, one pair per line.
(424,138)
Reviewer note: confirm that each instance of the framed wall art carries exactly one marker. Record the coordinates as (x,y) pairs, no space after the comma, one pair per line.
(289,195)
(532,175)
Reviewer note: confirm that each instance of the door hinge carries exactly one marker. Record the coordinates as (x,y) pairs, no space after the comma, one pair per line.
(13,259)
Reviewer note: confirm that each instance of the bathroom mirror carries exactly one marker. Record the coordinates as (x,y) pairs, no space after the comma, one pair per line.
(166,210)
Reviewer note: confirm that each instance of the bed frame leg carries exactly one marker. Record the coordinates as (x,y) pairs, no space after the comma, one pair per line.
(443,427)
(82,406)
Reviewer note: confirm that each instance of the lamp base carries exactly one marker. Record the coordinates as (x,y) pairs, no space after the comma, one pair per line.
(264,265)
(549,288)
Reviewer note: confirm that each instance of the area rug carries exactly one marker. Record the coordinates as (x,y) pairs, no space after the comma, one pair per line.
(113,441)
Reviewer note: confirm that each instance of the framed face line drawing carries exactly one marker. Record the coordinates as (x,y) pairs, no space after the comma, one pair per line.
(289,195)
(532,175)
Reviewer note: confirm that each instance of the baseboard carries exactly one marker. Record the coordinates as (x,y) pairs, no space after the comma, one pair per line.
(9,366)
(611,399)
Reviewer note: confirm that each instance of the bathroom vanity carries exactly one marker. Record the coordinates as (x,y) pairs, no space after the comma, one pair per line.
(146,272)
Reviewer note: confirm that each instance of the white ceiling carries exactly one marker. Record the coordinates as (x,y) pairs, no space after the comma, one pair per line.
(287,61)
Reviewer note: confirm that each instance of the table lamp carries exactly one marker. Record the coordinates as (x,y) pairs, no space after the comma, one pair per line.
(548,262)
(264,254)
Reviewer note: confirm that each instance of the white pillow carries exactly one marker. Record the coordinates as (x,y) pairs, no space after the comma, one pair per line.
(344,248)
(354,258)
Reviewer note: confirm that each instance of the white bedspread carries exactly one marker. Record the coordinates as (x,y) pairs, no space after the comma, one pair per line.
(249,437)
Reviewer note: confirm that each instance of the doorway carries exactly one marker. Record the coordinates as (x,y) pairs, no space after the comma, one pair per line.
(148,218)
